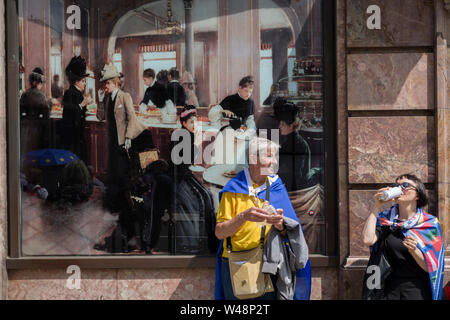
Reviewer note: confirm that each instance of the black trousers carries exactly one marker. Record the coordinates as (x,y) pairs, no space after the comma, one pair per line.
(397,288)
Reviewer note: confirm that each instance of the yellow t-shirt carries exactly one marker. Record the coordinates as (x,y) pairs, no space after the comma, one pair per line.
(248,235)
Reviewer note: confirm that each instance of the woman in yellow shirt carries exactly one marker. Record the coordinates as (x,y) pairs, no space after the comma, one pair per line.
(239,212)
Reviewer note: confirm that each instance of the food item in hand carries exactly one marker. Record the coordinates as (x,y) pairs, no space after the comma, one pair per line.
(270,209)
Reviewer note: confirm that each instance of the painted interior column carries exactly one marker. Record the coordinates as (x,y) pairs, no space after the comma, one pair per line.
(442,122)
(189,34)
(37,39)
(239,42)
(130,61)
(280,45)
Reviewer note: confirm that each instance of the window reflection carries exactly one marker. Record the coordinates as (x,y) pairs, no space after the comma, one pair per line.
(104,125)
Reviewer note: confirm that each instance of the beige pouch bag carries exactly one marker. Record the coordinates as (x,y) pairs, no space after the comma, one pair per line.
(247,280)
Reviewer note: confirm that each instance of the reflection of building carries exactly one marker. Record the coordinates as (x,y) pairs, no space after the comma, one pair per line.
(391,116)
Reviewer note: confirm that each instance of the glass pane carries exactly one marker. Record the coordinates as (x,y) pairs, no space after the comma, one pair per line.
(114,160)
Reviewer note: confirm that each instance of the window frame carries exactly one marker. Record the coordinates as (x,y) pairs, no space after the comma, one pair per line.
(15,260)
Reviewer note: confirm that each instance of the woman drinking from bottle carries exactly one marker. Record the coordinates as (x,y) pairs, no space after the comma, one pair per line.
(410,239)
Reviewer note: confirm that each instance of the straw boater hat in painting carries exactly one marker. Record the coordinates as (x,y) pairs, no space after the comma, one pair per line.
(110,72)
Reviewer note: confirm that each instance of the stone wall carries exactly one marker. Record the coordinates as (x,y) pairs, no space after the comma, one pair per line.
(3,159)
(390,102)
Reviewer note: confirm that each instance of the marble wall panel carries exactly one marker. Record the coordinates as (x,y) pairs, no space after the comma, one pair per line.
(186,284)
(3,159)
(350,283)
(139,284)
(51,284)
(381,148)
(324,284)
(342,140)
(403,23)
(390,81)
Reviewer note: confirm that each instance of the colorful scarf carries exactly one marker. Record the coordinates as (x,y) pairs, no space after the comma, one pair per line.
(279,199)
(427,230)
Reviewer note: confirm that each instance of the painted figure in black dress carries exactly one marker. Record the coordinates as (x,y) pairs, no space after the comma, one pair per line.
(74,109)
(194,207)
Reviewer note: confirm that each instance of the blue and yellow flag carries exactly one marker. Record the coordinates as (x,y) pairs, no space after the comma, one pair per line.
(279,199)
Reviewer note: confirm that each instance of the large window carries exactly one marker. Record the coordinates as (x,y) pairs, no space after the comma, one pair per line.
(159,60)
(98,172)
(265,72)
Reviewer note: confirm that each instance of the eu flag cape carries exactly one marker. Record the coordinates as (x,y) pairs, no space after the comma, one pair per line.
(427,230)
(279,199)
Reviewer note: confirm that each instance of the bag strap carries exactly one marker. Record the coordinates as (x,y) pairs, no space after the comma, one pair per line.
(261,240)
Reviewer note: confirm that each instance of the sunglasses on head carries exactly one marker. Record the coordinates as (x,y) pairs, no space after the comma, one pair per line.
(404,185)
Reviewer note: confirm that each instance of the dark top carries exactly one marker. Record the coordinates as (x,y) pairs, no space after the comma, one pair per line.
(402,263)
(34,121)
(240,107)
(180,171)
(57,91)
(175,92)
(112,126)
(269,100)
(157,93)
(34,105)
(294,161)
(73,121)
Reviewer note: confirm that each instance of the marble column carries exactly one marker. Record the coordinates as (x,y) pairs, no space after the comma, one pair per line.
(280,55)
(37,39)
(239,44)
(442,123)
(189,34)
(303,42)
(3,159)
(130,58)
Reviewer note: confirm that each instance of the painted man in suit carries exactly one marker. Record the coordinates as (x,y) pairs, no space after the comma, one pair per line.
(123,129)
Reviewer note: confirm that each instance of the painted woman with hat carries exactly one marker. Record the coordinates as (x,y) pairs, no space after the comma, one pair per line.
(34,114)
(194,204)
(295,154)
(302,183)
(74,108)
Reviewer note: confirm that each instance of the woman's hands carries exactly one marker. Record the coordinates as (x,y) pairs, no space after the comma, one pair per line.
(369,237)
(259,215)
(410,243)
(228,113)
(86,101)
(380,203)
(277,220)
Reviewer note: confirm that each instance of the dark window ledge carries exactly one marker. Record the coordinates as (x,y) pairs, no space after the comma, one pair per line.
(134,262)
